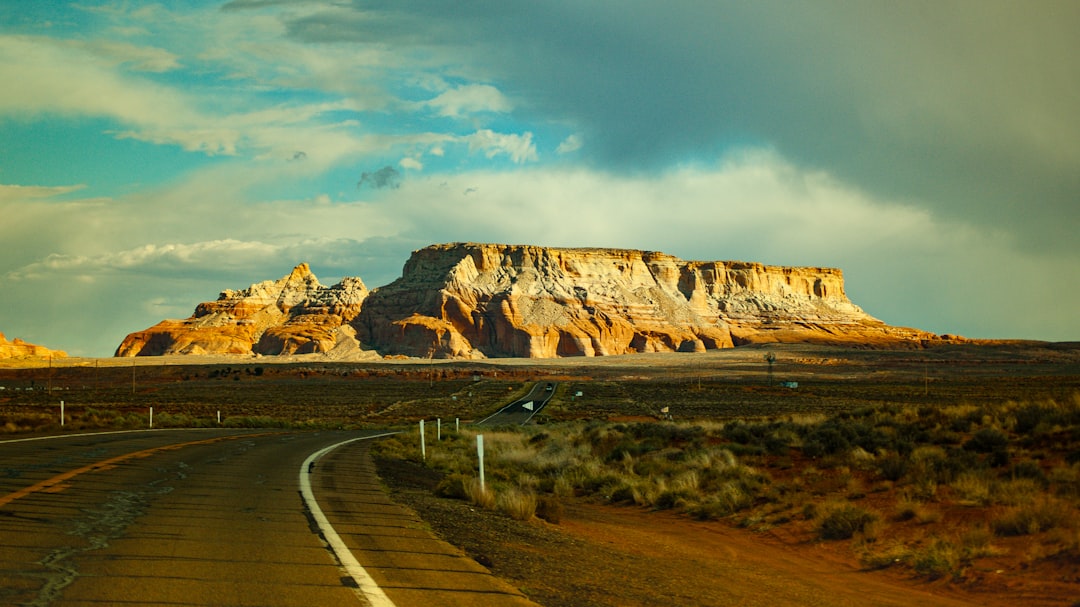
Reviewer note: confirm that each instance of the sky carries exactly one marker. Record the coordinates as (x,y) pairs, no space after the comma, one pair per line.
(153,154)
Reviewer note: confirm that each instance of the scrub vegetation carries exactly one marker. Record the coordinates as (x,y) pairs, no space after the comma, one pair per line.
(938,490)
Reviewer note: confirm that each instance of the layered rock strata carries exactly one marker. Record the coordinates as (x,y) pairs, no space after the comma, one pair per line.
(293,315)
(476,300)
(467,300)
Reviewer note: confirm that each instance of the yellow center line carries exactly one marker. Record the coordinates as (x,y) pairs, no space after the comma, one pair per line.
(55,484)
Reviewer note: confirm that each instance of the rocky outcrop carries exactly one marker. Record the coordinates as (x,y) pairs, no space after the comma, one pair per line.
(19,349)
(293,315)
(475,300)
(468,300)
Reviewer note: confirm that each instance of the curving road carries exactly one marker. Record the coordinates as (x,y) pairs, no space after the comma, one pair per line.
(217,517)
(522,410)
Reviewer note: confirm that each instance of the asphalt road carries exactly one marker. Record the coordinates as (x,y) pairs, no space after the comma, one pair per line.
(522,410)
(214,517)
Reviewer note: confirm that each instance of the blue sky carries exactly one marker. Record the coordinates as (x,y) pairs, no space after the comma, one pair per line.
(154,154)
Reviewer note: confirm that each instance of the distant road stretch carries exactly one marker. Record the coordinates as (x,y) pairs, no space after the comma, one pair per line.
(522,410)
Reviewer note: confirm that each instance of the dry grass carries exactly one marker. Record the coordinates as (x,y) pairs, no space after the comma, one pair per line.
(517,504)
(1042,513)
(882,478)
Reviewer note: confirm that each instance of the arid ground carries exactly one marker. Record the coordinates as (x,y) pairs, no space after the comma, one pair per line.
(605,552)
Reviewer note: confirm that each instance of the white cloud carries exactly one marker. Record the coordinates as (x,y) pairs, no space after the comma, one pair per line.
(152,257)
(572,143)
(411,163)
(519,148)
(470,99)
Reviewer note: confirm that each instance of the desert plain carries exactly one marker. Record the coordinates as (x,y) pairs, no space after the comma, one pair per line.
(765,474)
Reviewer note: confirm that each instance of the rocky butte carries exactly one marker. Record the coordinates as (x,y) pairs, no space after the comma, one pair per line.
(19,349)
(466,300)
(293,315)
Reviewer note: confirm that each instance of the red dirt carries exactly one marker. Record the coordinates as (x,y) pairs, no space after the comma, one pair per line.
(602,555)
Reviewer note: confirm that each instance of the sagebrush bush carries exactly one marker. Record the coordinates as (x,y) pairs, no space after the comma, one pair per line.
(1039,515)
(927,457)
(842,521)
(938,559)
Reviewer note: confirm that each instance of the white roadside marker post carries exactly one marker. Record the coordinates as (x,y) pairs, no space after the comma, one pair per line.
(423,447)
(219,417)
(457,425)
(480,454)
(61,413)
(151,417)
(438,429)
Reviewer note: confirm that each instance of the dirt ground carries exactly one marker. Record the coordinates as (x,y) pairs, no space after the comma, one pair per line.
(600,555)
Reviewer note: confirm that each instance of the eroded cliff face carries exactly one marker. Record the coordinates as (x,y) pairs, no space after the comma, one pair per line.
(468,300)
(293,315)
(475,300)
(17,349)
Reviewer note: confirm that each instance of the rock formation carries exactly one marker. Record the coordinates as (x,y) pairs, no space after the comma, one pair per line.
(474,300)
(18,348)
(293,315)
(468,300)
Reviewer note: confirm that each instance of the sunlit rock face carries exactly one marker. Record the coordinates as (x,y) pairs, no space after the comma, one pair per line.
(468,300)
(293,315)
(19,349)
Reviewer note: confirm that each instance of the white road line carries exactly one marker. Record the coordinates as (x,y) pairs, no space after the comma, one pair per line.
(367,586)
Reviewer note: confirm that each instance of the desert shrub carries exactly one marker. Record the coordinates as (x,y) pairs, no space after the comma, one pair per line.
(453,486)
(738,432)
(1040,515)
(928,464)
(826,440)
(724,500)
(1029,470)
(842,521)
(549,509)
(937,559)
(517,504)
(1029,416)
(976,542)
(1065,480)
(599,482)
(909,509)
(973,488)
(676,498)
(623,493)
(667,434)
(1014,491)
(892,467)
(958,462)
(987,440)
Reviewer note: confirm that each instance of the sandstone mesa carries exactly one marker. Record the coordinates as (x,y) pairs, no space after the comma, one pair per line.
(466,300)
(19,349)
